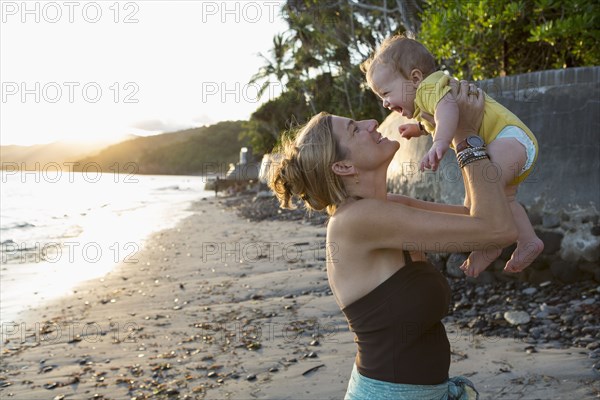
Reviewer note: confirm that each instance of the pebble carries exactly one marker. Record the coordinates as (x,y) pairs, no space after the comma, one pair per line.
(251,377)
(530,349)
(592,345)
(517,317)
(530,291)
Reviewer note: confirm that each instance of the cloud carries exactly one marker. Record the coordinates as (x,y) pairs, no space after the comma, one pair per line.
(203,120)
(158,125)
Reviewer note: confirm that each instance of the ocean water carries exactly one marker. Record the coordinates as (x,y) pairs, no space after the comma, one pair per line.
(58,229)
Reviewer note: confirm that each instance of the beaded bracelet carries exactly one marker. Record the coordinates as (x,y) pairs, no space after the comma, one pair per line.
(471,151)
(470,160)
(469,155)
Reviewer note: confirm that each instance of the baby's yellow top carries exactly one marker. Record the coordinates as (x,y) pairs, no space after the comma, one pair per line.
(495,116)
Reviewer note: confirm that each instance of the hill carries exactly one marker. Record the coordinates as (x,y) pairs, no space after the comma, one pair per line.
(58,152)
(196,151)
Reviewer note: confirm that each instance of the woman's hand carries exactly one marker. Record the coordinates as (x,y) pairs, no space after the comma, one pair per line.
(471,101)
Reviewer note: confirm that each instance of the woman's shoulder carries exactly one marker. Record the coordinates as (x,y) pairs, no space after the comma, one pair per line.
(356,214)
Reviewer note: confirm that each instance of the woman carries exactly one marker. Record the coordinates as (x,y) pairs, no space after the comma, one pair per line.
(393,299)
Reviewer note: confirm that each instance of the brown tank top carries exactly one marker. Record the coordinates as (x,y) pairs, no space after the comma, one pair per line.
(398,327)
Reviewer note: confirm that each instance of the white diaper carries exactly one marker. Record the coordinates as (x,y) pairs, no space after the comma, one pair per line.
(512,131)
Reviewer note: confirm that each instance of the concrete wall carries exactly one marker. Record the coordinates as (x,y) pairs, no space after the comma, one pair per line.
(562,195)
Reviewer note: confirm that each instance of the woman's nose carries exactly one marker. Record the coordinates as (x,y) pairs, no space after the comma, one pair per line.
(372,124)
(386,103)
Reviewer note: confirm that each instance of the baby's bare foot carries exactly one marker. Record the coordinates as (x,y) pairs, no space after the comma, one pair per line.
(524,254)
(478,261)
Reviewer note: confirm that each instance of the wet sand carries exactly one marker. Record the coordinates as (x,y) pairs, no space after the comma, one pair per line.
(223,308)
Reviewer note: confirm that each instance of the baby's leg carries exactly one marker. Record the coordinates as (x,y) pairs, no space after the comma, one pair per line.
(529,246)
(508,156)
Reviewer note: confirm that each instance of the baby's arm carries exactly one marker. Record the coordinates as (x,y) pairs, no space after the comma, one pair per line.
(408,131)
(446,122)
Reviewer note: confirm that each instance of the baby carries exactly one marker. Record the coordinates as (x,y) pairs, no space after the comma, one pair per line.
(402,72)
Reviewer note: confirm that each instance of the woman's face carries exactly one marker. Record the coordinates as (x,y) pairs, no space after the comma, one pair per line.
(366,148)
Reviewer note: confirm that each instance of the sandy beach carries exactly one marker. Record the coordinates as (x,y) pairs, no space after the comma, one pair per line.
(224,308)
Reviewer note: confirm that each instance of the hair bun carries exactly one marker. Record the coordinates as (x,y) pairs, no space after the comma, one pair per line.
(303,167)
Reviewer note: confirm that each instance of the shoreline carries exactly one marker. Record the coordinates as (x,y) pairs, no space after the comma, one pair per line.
(87,241)
(218,307)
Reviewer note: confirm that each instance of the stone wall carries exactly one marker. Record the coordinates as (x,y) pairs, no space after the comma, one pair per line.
(561,196)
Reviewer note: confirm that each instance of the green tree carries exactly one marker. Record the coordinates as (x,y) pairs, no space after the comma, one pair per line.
(327,40)
(489,38)
(272,118)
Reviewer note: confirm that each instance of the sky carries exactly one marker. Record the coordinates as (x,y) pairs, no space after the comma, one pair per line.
(98,70)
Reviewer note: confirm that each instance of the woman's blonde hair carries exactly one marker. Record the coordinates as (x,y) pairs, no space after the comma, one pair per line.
(304,169)
(403,55)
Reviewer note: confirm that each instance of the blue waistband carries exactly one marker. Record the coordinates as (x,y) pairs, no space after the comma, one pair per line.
(363,388)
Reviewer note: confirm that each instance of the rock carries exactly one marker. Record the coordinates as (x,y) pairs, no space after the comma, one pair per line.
(540,276)
(566,271)
(454,262)
(530,349)
(567,318)
(589,267)
(580,244)
(264,194)
(486,277)
(534,217)
(550,221)
(552,241)
(251,377)
(530,291)
(592,345)
(497,265)
(517,317)
(437,260)
(551,310)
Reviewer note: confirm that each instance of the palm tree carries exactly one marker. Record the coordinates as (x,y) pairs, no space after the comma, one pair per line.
(279,65)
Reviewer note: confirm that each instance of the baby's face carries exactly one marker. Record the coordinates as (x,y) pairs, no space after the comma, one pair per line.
(396,92)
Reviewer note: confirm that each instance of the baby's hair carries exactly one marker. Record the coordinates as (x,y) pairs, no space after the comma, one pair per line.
(304,167)
(403,55)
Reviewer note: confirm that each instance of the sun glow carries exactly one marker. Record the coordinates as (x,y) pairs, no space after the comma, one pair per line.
(101,81)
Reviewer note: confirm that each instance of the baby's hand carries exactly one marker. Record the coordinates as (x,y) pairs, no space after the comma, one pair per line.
(408,131)
(434,156)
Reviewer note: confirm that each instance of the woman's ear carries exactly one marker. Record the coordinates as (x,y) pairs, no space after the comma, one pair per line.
(416,76)
(343,168)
